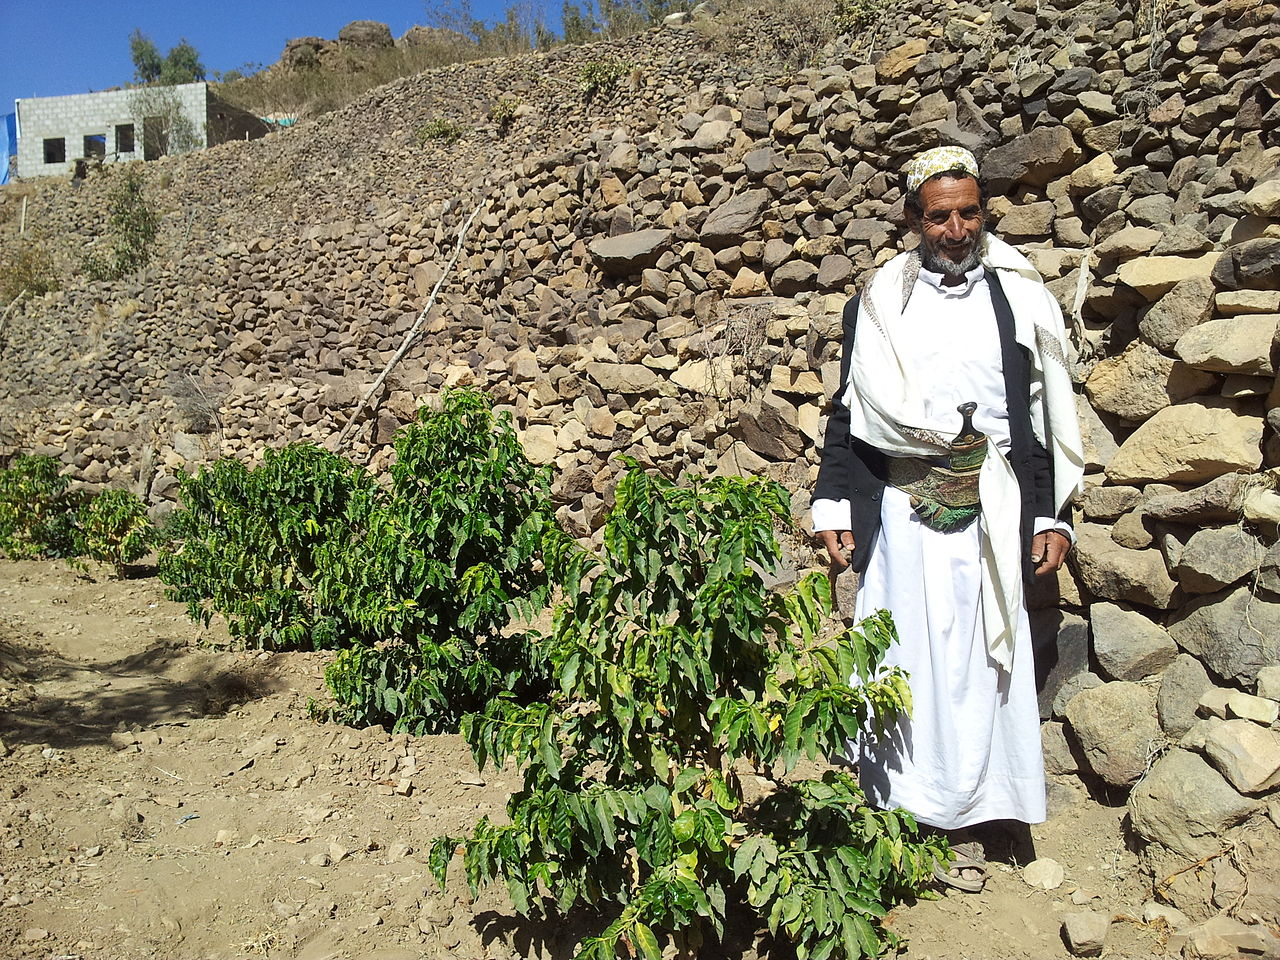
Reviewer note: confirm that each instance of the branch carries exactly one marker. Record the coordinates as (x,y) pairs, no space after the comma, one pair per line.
(413,331)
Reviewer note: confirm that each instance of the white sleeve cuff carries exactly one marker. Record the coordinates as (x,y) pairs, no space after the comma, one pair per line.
(831,515)
(1057,526)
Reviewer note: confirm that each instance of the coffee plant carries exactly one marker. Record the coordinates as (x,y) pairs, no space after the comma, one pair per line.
(38,514)
(116,529)
(441,569)
(681,683)
(248,543)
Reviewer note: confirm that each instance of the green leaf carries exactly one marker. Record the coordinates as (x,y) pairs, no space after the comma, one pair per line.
(646,942)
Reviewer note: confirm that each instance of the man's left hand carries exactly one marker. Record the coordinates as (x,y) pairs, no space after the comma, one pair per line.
(1048,550)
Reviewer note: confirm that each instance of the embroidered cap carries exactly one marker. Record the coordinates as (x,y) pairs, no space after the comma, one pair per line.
(939,160)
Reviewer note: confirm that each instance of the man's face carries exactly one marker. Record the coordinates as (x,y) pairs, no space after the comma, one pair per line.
(951,225)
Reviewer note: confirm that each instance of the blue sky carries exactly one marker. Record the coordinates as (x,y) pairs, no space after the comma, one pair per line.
(53,47)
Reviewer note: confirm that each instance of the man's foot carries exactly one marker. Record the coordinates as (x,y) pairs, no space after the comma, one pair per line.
(968,872)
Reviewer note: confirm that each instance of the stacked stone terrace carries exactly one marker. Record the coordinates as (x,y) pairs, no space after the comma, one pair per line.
(660,273)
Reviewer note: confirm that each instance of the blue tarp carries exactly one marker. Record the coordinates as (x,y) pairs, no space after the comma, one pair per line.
(8,144)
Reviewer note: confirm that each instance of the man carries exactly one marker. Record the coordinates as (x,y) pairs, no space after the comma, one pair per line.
(944,528)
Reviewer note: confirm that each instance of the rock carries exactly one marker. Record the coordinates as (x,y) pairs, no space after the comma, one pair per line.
(1188,303)
(900,61)
(539,442)
(1190,443)
(794,276)
(629,253)
(1218,501)
(1044,154)
(1245,706)
(1247,754)
(1043,874)
(1128,645)
(740,461)
(369,34)
(1113,572)
(730,222)
(1182,685)
(623,377)
(1226,938)
(1186,806)
(1153,277)
(1213,702)
(1097,173)
(1116,729)
(1028,220)
(1107,504)
(1060,641)
(1085,933)
(1234,633)
(1172,917)
(1231,344)
(1129,242)
(1268,684)
(1214,559)
(1142,381)
(1250,265)
(1099,444)
(1264,199)
(1073,688)
(770,427)
(1058,757)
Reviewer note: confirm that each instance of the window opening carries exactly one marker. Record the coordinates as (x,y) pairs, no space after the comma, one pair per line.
(55,150)
(124,138)
(95,146)
(155,137)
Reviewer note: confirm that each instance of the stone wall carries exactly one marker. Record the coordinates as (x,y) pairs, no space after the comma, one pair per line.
(661,273)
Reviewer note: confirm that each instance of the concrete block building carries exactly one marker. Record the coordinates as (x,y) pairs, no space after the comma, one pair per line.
(60,135)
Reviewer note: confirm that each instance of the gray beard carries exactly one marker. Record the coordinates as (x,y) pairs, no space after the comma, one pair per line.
(935,262)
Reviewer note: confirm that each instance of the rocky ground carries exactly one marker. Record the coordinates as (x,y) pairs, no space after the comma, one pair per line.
(162,797)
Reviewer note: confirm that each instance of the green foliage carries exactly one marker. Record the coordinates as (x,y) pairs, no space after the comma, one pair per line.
(180,65)
(116,529)
(420,581)
(854,16)
(676,672)
(133,225)
(445,564)
(441,128)
(37,512)
(147,62)
(503,113)
(601,77)
(26,269)
(250,544)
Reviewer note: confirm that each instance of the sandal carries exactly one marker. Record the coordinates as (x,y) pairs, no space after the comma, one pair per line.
(969,860)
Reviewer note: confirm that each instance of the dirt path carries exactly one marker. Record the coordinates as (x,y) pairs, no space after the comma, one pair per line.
(159,798)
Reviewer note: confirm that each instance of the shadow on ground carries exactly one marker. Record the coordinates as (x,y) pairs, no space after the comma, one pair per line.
(52,700)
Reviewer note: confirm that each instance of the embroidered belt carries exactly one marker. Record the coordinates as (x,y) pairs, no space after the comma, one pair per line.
(944,496)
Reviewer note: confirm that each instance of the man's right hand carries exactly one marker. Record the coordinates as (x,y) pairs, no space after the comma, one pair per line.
(839,544)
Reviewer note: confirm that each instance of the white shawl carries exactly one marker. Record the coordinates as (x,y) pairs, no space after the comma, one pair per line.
(886,408)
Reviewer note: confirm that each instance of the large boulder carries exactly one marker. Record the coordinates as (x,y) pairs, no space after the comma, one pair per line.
(1188,304)
(1154,276)
(1035,158)
(1234,633)
(629,253)
(1246,753)
(1216,558)
(1181,685)
(1232,345)
(1142,381)
(623,377)
(1251,265)
(1190,443)
(1127,645)
(367,34)
(1116,728)
(1218,501)
(1113,572)
(729,223)
(1185,805)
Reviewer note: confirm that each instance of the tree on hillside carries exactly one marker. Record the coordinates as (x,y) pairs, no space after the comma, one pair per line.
(180,65)
(147,62)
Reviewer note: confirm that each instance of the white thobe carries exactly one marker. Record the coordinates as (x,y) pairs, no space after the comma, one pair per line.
(970,752)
